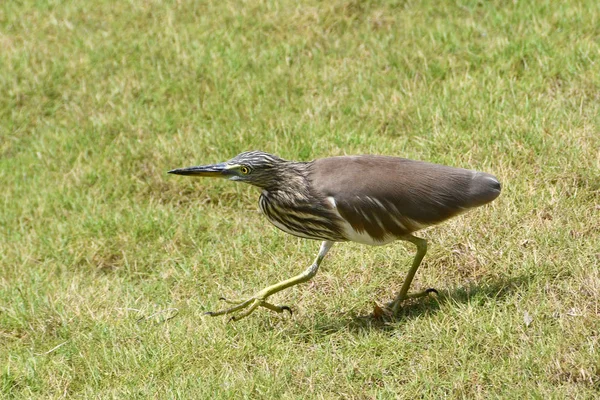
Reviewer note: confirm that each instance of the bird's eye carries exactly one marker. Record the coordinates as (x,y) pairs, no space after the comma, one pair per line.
(245,170)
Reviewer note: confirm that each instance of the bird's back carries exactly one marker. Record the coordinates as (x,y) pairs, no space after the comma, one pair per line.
(387,197)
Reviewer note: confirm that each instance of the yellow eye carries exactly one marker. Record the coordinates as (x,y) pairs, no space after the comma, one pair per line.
(245,170)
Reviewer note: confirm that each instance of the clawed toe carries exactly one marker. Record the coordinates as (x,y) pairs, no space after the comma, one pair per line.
(248,306)
(277,309)
(395,305)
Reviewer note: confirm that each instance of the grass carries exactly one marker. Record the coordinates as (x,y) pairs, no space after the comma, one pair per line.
(107,263)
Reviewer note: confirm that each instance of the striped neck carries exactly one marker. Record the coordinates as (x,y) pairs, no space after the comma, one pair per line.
(292,174)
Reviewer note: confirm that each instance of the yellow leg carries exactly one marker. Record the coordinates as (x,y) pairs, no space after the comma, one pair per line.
(421,244)
(259,299)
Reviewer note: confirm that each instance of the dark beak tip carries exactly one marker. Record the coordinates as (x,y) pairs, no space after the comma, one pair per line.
(214,170)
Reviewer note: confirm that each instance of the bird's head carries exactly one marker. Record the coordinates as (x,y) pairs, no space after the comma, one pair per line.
(255,167)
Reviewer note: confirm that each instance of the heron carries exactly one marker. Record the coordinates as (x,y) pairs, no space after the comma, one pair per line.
(368,199)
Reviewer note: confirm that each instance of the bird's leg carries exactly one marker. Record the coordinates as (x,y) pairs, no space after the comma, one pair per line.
(421,244)
(259,299)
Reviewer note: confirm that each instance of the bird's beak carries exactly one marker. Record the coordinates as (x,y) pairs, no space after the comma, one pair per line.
(214,170)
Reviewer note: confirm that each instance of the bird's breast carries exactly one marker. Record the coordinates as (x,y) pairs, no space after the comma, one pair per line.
(300,218)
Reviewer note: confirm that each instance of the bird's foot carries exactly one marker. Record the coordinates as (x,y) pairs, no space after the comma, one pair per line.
(395,306)
(248,306)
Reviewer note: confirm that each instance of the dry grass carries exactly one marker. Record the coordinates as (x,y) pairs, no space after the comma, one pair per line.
(107,263)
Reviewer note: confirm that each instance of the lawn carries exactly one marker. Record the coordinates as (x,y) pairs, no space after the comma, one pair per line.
(107,263)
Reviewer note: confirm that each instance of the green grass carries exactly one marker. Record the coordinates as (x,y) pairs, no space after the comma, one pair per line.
(99,248)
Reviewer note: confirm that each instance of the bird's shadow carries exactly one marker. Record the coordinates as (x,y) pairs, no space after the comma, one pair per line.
(479,292)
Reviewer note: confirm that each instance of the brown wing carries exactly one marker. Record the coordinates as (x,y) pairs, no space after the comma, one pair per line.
(390,195)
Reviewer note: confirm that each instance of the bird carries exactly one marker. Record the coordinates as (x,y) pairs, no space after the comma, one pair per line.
(368,199)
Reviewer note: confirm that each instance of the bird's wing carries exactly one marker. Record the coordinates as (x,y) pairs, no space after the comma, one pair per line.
(395,196)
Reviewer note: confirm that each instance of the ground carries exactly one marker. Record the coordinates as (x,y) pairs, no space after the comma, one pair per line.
(107,263)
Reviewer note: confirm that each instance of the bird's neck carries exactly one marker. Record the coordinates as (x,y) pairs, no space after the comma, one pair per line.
(289,181)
